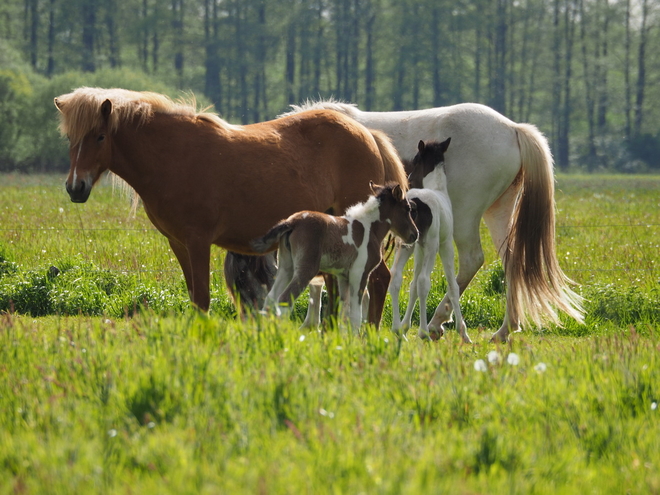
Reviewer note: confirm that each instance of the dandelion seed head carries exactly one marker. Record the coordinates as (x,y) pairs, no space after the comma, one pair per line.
(494,357)
(654,405)
(112,433)
(541,367)
(480,365)
(513,359)
(302,337)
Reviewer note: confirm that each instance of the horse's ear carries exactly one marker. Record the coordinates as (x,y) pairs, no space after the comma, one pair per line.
(58,104)
(371,186)
(420,146)
(106,109)
(445,144)
(397,192)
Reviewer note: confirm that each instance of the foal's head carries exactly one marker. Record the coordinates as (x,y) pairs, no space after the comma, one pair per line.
(428,157)
(395,208)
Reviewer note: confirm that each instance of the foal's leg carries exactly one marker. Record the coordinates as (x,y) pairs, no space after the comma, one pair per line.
(282,279)
(306,262)
(425,257)
(498,220)
(313,317)
(378,283)
(447,256)
(470,259)
(400,259)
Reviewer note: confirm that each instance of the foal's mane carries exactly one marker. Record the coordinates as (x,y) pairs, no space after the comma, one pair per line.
(80,111)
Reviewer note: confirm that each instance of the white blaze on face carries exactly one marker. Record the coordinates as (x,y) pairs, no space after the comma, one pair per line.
(75,166)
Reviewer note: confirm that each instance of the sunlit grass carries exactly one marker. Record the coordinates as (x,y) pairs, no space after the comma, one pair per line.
(148,396)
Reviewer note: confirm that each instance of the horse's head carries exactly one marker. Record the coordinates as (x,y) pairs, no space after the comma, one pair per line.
(89,154)
(428,157)
(395,207)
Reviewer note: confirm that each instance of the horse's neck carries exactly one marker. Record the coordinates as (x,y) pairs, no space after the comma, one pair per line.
(436,180)
(368,214)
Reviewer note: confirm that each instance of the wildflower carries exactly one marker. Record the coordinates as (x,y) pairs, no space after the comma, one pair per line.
(513,359)
(480,365)
(112,433)
(654,405)
(494,357)
(151,424)
(302,337)
(541,367)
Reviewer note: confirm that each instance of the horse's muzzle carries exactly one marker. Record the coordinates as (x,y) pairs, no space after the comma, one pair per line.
(80,193)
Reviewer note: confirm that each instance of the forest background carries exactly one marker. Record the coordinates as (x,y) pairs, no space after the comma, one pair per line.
(586,72)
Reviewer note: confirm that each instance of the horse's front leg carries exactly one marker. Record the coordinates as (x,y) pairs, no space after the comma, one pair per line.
(400,259)
(181,254)
(470,259)
(453,291)
(379,280)
(199,256)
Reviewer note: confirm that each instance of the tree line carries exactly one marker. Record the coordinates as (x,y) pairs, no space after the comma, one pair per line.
(584,71)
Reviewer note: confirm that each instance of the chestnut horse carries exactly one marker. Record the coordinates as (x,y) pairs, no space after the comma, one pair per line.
(499,170)
(203,181)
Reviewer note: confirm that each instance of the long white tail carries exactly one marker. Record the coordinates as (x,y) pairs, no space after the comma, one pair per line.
(537,285)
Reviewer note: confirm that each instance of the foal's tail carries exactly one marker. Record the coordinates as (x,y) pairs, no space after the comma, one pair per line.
(537,285)
(267,242)
(394,170)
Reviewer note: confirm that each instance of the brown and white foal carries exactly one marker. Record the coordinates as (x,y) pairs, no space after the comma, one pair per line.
(348,247)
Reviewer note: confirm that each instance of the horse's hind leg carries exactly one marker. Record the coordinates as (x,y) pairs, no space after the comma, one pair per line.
(195,259)
(422,283)
(498,219)
(470,259)
(181,254)
(313,317)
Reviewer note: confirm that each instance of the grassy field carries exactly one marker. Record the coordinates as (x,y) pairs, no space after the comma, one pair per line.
(110,383)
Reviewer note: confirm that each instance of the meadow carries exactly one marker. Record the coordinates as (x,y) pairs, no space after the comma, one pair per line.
(111,383)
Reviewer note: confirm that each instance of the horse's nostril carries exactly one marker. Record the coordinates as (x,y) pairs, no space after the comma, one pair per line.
(82,185)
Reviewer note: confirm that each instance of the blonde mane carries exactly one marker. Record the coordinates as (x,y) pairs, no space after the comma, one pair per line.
(80,111)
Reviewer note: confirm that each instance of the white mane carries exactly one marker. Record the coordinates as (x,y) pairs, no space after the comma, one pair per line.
(366,212)
(349,109)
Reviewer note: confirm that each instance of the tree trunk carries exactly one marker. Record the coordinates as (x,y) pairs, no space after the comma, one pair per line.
(110,22)
(626,76)
(370,91)
(50,67)
(88,30)
(589,90)
(212,87)
(641,69)
(178,29)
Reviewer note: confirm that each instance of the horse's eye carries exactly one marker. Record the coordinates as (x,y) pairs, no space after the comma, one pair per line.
(101,138)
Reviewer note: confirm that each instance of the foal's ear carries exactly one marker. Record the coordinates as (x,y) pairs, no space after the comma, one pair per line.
(106,109)
(445,144)
(420,146)
(397,192)
(58,103)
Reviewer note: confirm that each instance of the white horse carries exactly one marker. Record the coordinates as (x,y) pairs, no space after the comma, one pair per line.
(434,221)
(502,171)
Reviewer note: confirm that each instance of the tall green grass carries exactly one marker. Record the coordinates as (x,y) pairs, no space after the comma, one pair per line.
(111,383)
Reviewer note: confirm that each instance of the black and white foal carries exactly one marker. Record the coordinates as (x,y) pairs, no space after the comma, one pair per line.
(348,247)
(434,220)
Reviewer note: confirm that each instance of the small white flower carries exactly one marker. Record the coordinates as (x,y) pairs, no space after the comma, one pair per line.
(61,210)
(541,367)
(480,365)
(302,337)
(328,414)
(339,348)
(513,359)
(494,357)
(151,424)
(112,433)
(654,405)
